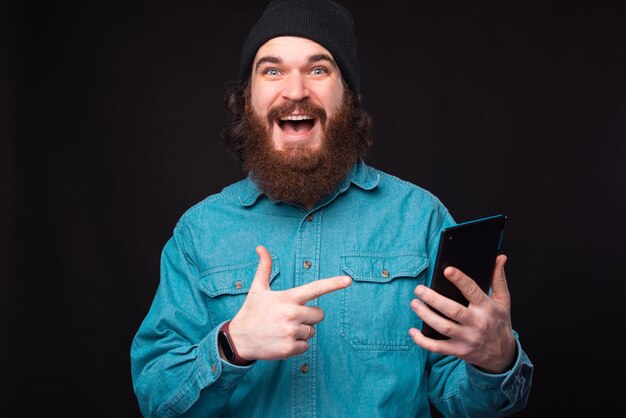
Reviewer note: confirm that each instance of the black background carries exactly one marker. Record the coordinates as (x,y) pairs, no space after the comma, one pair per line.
(109,120)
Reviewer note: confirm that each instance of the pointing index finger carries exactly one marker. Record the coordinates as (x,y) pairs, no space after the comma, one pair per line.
(305,293)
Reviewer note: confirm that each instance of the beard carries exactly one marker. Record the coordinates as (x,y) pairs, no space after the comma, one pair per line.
(298,174)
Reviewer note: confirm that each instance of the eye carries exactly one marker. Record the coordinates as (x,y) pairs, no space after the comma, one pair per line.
(319,71)
(271,71)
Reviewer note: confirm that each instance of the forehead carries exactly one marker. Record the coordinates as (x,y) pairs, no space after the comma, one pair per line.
(291,47)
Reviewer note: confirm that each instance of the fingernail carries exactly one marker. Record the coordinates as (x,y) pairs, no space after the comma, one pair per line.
(419,291)
(346,280)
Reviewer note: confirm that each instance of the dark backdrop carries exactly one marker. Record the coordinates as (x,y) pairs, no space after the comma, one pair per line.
(110,114)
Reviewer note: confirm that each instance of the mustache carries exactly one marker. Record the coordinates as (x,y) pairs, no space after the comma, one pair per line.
(289,107)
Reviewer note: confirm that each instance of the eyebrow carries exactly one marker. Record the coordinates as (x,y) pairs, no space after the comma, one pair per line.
(312,59)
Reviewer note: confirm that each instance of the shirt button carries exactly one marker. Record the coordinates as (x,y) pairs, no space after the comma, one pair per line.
(238,284)
(309,218)
(304,369)
(385,273)
(307,264)
(213,368)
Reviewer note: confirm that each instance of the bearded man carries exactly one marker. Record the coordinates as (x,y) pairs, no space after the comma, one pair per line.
(290,292)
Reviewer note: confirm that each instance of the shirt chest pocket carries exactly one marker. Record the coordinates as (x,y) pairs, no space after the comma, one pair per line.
(376,314)
(227,287)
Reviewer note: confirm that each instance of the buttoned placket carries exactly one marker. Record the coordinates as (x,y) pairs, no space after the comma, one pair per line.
(307,271)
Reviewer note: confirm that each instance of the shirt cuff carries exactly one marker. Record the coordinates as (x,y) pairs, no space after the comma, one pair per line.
(214,366)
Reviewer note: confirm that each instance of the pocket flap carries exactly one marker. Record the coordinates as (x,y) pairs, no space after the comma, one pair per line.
(233,279)
(383,267)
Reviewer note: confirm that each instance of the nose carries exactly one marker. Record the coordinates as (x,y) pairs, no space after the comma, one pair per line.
(295,88)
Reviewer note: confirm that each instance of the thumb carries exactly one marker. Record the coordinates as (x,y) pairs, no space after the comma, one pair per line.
(261,280)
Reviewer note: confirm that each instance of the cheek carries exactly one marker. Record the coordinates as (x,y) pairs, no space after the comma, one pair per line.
(258,107)
(333,102)
(259,99)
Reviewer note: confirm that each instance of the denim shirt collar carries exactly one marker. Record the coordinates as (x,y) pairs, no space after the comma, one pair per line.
(360,175)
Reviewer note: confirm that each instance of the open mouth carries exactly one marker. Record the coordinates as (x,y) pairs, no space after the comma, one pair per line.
(296,124)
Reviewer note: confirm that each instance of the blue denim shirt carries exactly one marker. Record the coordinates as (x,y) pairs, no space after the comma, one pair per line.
(378,229)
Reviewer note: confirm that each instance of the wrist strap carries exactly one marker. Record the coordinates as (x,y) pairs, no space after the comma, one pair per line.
(229,349)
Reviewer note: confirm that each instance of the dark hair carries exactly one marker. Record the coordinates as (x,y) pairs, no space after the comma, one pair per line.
(232,133)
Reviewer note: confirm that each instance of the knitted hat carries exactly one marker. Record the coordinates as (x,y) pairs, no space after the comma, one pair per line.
(323,21)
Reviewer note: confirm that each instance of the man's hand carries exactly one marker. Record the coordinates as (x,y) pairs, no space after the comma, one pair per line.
(274,325)
(481,333)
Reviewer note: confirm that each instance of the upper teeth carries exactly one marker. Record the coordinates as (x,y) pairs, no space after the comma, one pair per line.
(296,117)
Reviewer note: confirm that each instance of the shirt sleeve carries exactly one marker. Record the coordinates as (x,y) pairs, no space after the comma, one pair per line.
(459,389)
(175,364)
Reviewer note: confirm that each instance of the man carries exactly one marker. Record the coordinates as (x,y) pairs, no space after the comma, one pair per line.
(292,292)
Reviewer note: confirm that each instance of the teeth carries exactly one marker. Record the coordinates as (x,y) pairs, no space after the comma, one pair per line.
(296,117)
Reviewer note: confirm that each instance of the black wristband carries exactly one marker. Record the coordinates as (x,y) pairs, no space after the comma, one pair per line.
(228,347)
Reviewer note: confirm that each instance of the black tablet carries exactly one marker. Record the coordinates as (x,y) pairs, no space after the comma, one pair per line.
(472,247)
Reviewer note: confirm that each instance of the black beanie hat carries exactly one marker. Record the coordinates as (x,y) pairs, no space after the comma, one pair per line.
(323,21)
